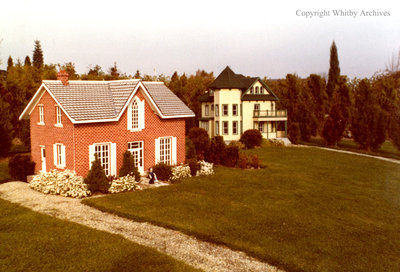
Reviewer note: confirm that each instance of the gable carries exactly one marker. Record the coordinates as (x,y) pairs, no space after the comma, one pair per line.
(251,93)
(105,101)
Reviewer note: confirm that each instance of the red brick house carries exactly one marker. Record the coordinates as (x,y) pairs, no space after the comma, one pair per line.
(71,121)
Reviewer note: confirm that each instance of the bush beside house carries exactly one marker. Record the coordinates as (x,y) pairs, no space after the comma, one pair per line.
(129,167)
(251,138)
(96,178)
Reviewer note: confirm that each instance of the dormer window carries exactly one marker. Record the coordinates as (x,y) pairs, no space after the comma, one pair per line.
(251,90)
(261,90)
(136,115)
(257,90)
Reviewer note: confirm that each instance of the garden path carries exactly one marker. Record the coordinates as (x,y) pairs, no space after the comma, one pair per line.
(200,254)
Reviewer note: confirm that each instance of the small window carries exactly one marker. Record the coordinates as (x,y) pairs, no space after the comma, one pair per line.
(59,155)
(225,110)
(204,125)
(235,127)
(206,110)
(212,107)
(256,90)
(261,90)
(251,90)
(235,110)
(261,126)
(216,128)
(272,106)
(225,128)
(216,110)
(41,114)
(58,115)
(135,115)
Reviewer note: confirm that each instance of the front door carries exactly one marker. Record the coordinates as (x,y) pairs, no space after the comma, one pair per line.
(43,158)
(136,148)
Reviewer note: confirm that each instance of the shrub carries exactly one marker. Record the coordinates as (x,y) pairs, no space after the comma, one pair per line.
(123,184)
(294,133)
(201,141)
(163,171)
(181,171)
(230,156)
(21,166)
(243,161)
(251,138)
(96,178)
(255,161)
(65,183)
(5,142)
(239,144)
(216,151)
(194,166)
(128,166)
(190,150)
(206,168)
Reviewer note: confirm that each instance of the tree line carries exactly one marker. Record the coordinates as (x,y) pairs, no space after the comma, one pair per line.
(368,110)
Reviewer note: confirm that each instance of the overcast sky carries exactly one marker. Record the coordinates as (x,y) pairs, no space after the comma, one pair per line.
(255,38)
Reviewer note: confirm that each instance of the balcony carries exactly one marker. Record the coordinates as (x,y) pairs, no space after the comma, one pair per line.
(270,114)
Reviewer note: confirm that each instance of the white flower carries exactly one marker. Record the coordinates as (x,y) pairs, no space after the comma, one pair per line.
(206,168)
(122,184)
(180,171)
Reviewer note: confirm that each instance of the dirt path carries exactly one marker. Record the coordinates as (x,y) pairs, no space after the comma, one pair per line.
(199,254)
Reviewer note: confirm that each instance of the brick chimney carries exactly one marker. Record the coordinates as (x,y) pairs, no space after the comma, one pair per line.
(63,76)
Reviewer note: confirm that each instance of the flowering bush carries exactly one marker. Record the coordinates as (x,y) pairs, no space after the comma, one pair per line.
(206,168)
(122,184)
(65,183)
(180,171)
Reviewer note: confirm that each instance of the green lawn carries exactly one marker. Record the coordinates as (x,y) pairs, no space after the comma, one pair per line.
(30,241)
(4,176)
(387,149)
(310,209)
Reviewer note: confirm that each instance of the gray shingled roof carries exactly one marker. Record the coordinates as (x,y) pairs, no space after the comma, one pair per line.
(168,103)
(102,100)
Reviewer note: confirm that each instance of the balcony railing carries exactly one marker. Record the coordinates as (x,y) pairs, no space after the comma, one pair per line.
(270,113)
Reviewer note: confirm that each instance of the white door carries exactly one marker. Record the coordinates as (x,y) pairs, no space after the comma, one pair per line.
(43,158)
(136,148)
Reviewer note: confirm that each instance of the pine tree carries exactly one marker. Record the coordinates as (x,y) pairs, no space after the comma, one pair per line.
(38,61)
(128,166)
(137,75)
(27,61)
(114,72)
(10,63)
(96,178)
(339,115)
(334,71)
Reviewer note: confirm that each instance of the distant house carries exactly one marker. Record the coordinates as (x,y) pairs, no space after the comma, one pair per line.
(236,103)
(71,121)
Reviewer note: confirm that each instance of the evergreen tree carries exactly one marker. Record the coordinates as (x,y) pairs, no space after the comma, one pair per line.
(316,86)
(27,61)
(368,124)
(96,178)
(69,67)
(334,71)
(129,167)
(10,63)
(339,115)
(38,61)
(137,75)
(5,143)
(113,72)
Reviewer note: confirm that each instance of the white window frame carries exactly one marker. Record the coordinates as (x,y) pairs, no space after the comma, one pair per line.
(41,114)
(206,110)
(164,155)
(225,110)
(111,169)
(216,127)
(235,111)
(256,90)
(136,148)
(136,111)
(225,127)
(216,110)
(261,90)
(58,116)
(205,125)
(59,155)
(235,127)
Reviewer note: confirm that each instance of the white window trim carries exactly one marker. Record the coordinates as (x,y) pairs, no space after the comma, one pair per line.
(41,115)
(58,117)
(223,128)
(112,156)
(140,149)
(141,111)
(237,110)
(173,154)
(237,127)
(225,106)
(59,155)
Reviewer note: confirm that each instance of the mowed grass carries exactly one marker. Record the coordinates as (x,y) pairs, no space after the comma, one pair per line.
(310,209)
(30,241)
(387,149)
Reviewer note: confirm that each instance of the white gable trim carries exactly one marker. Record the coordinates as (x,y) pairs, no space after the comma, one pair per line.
(35,100)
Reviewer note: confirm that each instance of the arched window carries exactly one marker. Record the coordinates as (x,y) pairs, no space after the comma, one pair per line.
(257,90)
(135,115)
(251,90)
(261,90)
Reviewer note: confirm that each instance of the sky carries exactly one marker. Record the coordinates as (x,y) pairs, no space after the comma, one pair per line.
(252,37)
